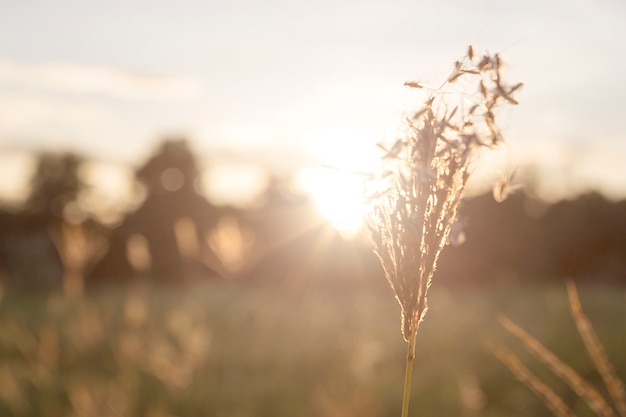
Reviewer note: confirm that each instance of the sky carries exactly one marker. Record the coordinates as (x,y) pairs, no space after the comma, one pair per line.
(290,84)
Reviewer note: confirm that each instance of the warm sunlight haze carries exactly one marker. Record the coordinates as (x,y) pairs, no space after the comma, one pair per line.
(338,195)
(278,85)
(337,183)
(248,208)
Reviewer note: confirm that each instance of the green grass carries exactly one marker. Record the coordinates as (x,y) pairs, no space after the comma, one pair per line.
(227,350)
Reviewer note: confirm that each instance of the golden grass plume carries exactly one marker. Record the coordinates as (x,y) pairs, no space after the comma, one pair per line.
(423,175)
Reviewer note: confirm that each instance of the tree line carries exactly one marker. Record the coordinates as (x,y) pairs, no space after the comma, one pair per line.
(177,236)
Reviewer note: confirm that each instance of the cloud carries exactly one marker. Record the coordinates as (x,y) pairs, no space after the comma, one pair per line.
(64,78)
(23,110)
(30,120)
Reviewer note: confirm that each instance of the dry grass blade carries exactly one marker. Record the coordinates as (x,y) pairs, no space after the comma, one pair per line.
(413,84)
(504,187)
(511,361)
(614,385)
(595,401)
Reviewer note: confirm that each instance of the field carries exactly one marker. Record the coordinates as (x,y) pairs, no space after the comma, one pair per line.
(238,351)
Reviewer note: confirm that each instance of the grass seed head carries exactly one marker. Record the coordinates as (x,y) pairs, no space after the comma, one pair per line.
(424,173)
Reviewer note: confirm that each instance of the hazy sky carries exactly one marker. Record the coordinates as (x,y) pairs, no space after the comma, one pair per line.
(290,79)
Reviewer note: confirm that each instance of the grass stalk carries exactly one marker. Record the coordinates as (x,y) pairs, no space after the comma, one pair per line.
(576,382)
(596,401)
(554,402)
(408,376)
(596,351)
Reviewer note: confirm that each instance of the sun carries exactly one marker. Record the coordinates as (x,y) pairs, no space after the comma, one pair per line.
(337,184)
(339,197)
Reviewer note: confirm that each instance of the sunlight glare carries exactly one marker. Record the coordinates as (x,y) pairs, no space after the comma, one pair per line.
(337,185)
(338,196)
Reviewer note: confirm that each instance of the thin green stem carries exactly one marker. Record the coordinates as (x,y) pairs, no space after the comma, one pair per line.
(408,376)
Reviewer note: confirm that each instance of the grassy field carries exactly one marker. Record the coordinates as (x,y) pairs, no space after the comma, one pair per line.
(228,350)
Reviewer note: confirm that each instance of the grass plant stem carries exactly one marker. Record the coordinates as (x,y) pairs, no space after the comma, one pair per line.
(418,186)
(408,376)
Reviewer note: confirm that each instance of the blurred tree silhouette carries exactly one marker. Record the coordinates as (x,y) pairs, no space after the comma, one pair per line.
(176,234)
(582,238)
(165,238)
(55,185)
(588,237)
(28,254)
